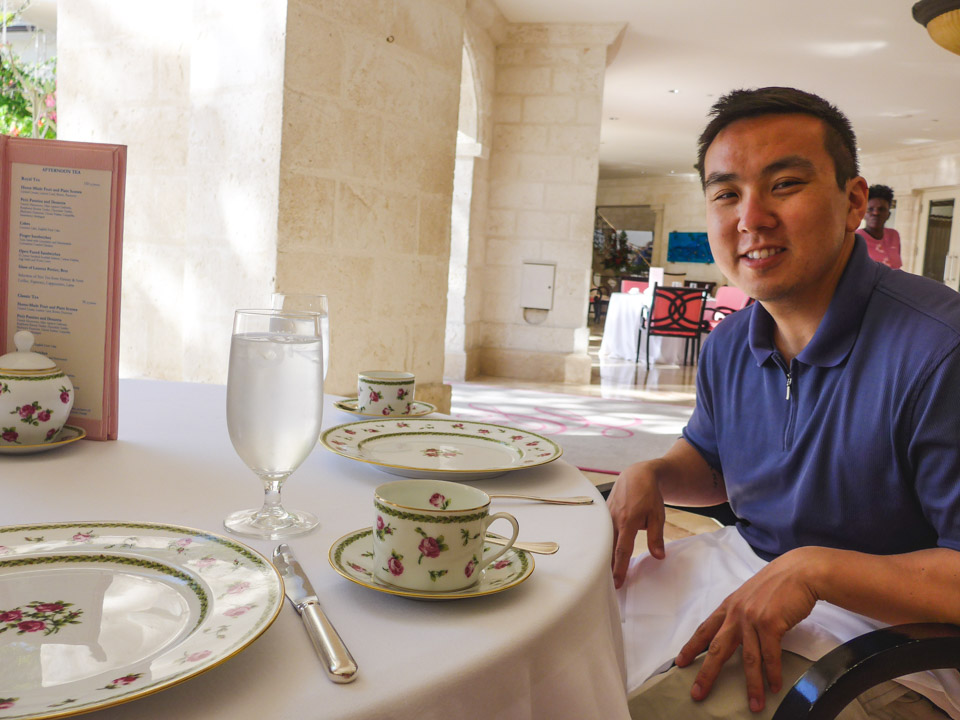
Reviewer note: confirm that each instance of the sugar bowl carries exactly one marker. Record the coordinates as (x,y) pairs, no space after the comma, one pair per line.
(35,396)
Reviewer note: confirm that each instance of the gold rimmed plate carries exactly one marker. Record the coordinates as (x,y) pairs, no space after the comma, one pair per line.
(440,448)
(352,557)
(68,434)
(417,408)
(95,614)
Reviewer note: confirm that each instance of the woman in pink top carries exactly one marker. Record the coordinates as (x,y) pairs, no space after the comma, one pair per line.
(883,244)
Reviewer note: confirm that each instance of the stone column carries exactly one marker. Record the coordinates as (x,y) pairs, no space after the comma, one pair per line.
(371,93)
(542,191)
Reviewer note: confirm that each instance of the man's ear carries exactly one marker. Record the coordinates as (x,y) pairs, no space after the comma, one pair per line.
(857,193)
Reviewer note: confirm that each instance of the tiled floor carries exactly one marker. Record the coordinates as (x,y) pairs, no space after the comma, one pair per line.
(623,379)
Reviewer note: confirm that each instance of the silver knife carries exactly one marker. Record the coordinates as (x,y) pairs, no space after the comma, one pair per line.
(337,660)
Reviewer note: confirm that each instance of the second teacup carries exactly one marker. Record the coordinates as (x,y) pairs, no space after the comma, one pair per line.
(385,392)
(428,535)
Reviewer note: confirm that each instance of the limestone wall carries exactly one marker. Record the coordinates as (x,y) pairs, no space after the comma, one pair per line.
(196,97)
(541,194)
(370,103)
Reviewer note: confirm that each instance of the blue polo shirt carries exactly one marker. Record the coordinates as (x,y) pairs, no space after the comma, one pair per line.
(864,453)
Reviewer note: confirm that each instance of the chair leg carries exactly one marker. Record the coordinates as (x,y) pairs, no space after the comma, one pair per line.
(648,349)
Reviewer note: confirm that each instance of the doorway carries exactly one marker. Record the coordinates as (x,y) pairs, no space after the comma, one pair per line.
(940,238)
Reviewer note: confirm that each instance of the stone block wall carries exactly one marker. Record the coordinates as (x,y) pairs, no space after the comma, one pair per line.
(541,194)
(370,101)
(196,98)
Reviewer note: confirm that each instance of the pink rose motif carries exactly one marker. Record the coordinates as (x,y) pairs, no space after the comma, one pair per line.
(7,703)
(403,424)
(531,444)
(126,679)
(516,437)
(350,432)
(49,607)
(43,415)
(458,426)
(395,566)
(501,564)
(64,395)
(375,396)
(51,432)
(10,616)
(10,435)
(26,411)
(206,562)
(438,500)
(32,626)
(82,537)
(429,547)
(387,410)
(485,432)
(238,588)
(183,542)
(468,570)
(379,523)
(197,656)
(401,394)
(238,611)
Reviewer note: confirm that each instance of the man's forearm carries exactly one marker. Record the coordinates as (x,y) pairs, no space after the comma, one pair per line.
(686,479)
(922,586)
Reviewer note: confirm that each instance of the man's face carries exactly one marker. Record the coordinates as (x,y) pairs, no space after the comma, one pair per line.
(780,229)
(878,212)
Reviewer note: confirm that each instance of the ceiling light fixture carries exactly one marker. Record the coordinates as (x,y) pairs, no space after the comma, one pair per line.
(941,18)
(675,92)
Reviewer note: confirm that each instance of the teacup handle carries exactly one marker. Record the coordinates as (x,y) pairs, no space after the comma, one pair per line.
(507,545)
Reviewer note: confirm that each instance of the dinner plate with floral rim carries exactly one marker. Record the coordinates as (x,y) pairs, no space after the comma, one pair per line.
(417,409)
(440,448)
(68,434)
(94,614)
(352,557)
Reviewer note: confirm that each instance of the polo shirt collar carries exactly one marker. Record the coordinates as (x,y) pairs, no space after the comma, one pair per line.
(838,330)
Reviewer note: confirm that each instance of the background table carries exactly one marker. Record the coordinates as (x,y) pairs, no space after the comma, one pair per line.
(549,648)
(621,331)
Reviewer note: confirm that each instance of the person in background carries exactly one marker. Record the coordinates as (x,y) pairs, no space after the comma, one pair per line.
(821,417)
(883,243)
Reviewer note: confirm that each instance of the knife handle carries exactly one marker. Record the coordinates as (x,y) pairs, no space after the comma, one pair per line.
(337,660)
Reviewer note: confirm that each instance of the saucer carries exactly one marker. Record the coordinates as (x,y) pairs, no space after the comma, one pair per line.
(68,434)
(418,409)
(352,557)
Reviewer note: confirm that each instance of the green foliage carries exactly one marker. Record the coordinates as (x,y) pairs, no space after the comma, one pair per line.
(28,105)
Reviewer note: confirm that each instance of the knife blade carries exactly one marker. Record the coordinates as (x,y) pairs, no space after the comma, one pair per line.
(337,660)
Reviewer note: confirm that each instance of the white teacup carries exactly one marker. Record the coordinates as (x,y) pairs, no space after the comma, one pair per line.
(385,392)
(428,535)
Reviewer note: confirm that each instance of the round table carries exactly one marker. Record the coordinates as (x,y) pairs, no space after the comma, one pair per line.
(548,648)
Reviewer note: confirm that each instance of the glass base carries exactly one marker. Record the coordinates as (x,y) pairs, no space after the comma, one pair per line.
(252,523)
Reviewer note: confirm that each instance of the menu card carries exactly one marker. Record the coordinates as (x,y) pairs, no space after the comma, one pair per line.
(61,230)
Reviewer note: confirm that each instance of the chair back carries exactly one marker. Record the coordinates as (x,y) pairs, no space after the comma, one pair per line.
(731,297)
(628,285)
(677,311)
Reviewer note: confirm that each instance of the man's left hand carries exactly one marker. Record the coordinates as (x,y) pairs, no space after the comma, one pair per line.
(756,616)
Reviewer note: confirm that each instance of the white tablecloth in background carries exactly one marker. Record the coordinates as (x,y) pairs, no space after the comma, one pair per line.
(550,648)
(621,331)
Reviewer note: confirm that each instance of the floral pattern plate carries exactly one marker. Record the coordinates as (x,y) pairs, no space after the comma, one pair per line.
(352,557)
(96,614)
(418,409)
(440,449)
(68,434)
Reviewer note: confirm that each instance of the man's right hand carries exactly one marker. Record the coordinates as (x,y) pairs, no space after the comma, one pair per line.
(635,504)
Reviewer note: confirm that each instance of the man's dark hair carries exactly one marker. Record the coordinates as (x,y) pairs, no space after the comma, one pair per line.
(884,192)
(839,138)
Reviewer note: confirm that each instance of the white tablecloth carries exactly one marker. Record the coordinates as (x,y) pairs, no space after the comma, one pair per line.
(621,331)
(550,648)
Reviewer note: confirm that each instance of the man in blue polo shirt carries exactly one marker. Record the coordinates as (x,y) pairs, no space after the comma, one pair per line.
(826,415)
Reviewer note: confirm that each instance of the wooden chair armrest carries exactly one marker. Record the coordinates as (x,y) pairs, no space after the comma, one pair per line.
(832,682)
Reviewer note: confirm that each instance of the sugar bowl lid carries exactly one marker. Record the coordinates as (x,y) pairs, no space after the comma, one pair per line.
(24,361)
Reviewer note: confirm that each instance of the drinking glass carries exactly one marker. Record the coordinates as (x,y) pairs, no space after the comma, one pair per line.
(274,408)
(303,302)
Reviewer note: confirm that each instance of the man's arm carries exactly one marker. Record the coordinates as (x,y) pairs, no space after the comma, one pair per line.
(922,586)
(680,477)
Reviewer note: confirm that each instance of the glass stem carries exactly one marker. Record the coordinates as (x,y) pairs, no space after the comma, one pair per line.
(271,497)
